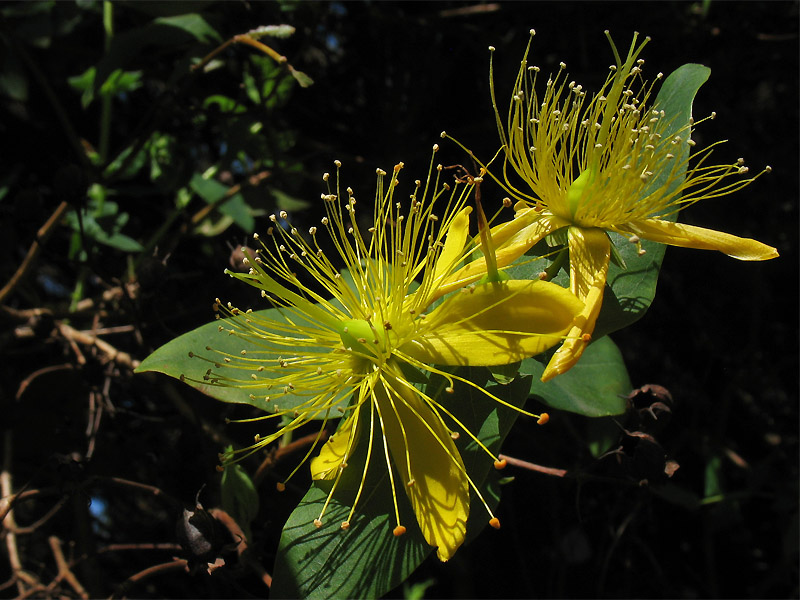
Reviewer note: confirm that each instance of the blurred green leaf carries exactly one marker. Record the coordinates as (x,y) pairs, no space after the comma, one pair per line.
(102,222)
(302,79)
(595,387)
(234,207)
(367,560)
(224,104)
(13,81)
(287,202)
(416,591)
(239,496)
(193,24)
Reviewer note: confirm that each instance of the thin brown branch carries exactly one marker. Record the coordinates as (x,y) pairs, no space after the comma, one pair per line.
(523,464)
(277,454)
(37,373)
(173,565)
(43,519)
(64,572)
(6,489)
(121,358)
(167,546)
(33,252)
(237,533)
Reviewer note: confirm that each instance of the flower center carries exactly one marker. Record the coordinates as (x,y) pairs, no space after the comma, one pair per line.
(578,192)
(362,337)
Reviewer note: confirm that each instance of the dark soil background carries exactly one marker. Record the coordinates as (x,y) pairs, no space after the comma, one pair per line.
(105,460)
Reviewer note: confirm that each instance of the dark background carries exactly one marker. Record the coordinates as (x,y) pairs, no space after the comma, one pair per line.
(721,334)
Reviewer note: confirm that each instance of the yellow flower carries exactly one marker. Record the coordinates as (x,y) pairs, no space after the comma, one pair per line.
(345,341)
(611,163)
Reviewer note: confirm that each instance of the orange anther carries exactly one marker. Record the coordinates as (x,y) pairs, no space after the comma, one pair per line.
(280,486)
(494,522)
(317,523)
(399,530)
(586,337)
(543,418)
(345,525)
(500,464)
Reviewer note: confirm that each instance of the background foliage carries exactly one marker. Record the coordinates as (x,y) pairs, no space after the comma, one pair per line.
(153,173)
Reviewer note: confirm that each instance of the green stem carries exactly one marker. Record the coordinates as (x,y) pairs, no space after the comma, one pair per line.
(105,112)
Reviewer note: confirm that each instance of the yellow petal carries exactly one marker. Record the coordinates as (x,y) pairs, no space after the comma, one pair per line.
(495,324)
(457,233)
(512,240)
(689,236)
(439,493)
(334,451)
(589,254)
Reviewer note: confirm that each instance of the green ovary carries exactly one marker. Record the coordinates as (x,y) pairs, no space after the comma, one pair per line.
(359,336)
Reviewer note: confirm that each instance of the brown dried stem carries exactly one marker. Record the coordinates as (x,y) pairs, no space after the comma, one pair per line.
(30,258)
(64,572)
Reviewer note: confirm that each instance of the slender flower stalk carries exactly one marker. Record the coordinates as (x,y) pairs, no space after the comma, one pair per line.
(343,342)
(615,162)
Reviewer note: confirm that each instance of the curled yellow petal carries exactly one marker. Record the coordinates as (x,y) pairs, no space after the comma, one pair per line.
(495,324)
(422,446)
(689,236)
(589,255)
(512,240)
(453,250)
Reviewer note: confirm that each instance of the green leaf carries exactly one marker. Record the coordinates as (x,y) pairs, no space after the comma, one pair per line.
(239,497)
(173,359)
(287,202)
(416,591)
(193,24)
(224,103)
(103,223)
(302,79)
(633,289)
(595,387)
(234,207)
(367,560)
